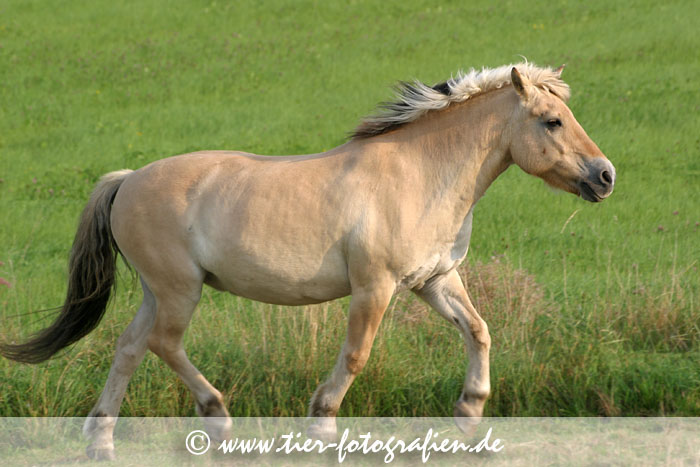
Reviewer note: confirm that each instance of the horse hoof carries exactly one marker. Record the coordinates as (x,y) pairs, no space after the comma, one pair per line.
(465,419)
(218,428)
(323,430)
(101,453)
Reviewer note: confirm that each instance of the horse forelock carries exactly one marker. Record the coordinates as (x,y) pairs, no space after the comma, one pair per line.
(413,99)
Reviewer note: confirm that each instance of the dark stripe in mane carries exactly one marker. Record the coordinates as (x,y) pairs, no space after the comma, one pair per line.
(442,88)
(404,89)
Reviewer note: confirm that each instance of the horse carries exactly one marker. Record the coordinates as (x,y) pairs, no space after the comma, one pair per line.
(388,210)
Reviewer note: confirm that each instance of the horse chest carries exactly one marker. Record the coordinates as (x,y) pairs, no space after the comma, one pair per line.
(440,259)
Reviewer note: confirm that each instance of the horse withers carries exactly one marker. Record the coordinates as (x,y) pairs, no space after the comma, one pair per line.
(389,210)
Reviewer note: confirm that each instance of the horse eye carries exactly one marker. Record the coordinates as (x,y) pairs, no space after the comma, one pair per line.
(553,123)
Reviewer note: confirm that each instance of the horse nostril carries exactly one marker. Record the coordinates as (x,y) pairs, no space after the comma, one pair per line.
(605,176)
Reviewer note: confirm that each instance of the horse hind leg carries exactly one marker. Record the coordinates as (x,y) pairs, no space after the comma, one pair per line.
(174,312)
(131,348)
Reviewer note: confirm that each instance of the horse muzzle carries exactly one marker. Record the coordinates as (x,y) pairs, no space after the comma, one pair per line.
(599,181)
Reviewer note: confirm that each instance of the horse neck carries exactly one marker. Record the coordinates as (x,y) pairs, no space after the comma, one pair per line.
(462,149)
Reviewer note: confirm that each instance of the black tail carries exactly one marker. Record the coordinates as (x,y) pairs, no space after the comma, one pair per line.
(91,276)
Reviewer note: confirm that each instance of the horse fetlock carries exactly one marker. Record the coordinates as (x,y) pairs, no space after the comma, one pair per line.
(321,405)
(99,428)
(212,407)
(89,427)
(470,407)
(99,425)
(323,413)
(322,409)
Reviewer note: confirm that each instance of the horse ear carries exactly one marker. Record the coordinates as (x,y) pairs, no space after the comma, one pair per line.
(520,83)
(559,70)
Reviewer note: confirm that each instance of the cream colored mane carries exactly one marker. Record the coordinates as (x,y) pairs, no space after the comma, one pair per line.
(415,99)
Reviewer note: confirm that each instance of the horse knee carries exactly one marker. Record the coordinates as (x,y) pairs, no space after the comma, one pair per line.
(355,361)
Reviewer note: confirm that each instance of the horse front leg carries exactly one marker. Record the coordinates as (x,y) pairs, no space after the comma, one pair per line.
(447,295)
(367,307)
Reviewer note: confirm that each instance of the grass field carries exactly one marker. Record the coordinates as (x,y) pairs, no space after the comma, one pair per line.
(593,309)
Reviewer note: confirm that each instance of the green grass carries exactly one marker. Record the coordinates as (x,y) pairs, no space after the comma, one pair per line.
(597,316)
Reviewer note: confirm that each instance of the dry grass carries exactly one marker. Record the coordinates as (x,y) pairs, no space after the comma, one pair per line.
(660,316)
(510,300)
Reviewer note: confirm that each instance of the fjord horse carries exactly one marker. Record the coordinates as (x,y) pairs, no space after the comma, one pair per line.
(389,210)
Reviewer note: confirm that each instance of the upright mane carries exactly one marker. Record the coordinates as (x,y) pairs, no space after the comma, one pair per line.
(414,99)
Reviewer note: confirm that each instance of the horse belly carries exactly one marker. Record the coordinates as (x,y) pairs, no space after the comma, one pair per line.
(299,282)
